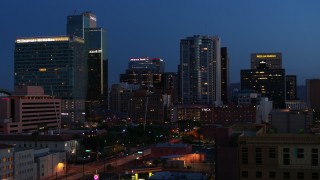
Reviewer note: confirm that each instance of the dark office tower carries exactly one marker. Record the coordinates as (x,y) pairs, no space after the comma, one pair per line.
(96,47)
(58,65)
(313,89)
(77,23)
(273,60)
(269,82)
(291,87)
(170,84)
(224,75)
(200,70)
(143,71)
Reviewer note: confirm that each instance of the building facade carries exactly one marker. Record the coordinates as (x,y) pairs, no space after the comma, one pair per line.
(278,156)
(76,24)
(149,106)
(291,121)
(234,114)
(85,26)
(272,60)
(24,167)
(121,96)
(50,164)
(6,162)
(97,88)
(268,82)
(202,113)
(144,71)
(291,87)
(57,143)
(200,70)
(29,110)
(58,65)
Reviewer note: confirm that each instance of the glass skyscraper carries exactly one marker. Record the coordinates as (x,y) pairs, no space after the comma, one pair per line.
(85,25)
(77,23)
(96,46)
(200,70)
(58,65)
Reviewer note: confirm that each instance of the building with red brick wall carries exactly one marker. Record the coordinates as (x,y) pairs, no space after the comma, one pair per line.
(233,114)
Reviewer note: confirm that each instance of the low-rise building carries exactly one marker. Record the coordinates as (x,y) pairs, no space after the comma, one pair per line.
(278,156)
(57,143)
(24,166)
(6,162)
(194,112)
(291,121)
(49,163)
(29,110)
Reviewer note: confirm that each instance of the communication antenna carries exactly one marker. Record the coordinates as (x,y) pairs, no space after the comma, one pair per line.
(55,110)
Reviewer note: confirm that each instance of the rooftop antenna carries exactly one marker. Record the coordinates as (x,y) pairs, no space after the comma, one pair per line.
(55,110)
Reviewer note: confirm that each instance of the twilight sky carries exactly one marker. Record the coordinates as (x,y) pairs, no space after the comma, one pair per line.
(140,28)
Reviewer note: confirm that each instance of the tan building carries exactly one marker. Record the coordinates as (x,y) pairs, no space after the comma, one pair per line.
(278,156)
(28,110)
(6,162)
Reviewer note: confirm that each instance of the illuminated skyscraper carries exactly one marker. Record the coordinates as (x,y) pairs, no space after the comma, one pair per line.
(58,65)
(269,82)
(272,60)
(143,71)
(200,70)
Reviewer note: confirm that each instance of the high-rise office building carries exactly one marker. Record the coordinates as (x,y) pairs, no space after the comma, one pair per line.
(96,47)
(272,60)
(224,75)
(76,24)
(269,82)
(200,70)
(143,71)
(85,25)
(291,87)
(57,64)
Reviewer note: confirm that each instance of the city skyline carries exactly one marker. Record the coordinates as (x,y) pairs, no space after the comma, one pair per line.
(154,29)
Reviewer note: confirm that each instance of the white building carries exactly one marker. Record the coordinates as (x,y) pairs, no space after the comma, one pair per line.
(49,164)
(263,110)
(24,166)
(55,143)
